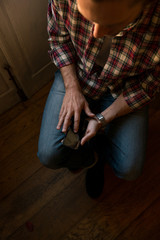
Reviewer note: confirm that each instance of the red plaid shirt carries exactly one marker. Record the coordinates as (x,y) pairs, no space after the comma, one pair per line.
(133,65)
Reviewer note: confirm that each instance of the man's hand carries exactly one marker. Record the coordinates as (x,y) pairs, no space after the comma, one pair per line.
(91,131)
(73,104)
(117,109)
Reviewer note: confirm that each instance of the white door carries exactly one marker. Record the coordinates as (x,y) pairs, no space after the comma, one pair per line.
(23,37)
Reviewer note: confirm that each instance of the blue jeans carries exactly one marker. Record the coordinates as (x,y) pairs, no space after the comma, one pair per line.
(123,144)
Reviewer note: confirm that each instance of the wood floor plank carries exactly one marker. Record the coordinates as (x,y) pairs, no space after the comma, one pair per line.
(62,212)
(7,117)
(59,214)
(146,226)
(30,197)
(17,154)
(22,122)
(121,207)
(11,114)
(21,129)
(18,167)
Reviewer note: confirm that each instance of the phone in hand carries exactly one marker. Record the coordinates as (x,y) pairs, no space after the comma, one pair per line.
(73,139)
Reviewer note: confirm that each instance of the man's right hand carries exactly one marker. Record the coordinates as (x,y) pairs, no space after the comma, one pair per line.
(73,104)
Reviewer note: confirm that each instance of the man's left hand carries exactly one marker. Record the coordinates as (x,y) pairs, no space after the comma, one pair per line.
(91,131)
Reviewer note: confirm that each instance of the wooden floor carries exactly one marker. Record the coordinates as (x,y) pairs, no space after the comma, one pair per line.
(41,204)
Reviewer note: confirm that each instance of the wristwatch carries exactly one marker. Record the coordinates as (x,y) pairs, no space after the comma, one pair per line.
(101,119)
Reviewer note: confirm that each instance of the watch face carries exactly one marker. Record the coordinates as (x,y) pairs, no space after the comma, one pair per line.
(101,119)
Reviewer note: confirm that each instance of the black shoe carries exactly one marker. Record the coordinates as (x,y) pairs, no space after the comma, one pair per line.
(78,170)
(95,180)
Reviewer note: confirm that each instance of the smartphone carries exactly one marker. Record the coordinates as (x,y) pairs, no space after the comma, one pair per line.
(73,139)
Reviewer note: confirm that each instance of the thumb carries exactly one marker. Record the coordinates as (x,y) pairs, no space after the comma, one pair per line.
(84,139)
(88,111)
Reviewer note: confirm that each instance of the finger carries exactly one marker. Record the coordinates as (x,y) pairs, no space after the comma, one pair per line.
(61,112)
(61,118)
(76,121)
(88,111)
(60,122)
(67,122)
(87,137)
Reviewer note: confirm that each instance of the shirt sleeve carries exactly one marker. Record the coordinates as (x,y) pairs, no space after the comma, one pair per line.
(61,51)
(140,90)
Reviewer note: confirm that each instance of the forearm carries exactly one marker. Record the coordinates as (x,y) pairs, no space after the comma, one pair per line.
(70,77)
(117,109)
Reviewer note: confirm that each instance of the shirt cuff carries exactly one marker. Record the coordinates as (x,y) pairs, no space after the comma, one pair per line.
(62,55)
(136,99)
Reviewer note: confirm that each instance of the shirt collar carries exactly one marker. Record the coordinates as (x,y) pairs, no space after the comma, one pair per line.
(137,21)
(130,26)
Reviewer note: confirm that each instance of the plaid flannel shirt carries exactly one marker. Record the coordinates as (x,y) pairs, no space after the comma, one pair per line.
(133,65)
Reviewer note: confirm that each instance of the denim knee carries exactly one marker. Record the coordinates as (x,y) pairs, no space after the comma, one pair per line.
(128,162)
(130,168)
(50,157)
(129,174)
